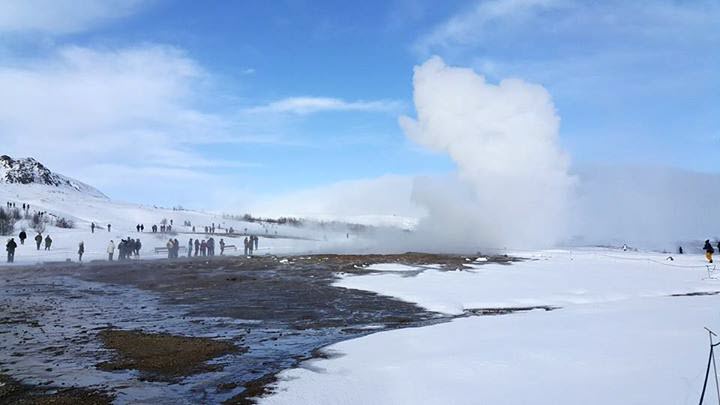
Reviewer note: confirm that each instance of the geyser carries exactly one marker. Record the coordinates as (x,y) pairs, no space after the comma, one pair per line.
(513,186)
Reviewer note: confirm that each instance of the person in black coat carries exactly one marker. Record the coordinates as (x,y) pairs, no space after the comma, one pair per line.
(22,237)
(708,251)
(10,247)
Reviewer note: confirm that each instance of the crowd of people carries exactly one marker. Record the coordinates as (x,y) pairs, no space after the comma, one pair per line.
(129,247)
(11,245)
(25,206)
(173,248)
(251,243)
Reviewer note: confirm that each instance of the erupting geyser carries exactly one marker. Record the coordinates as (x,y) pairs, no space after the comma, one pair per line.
(513,187)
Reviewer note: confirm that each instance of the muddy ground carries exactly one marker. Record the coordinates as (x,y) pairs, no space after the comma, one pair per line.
(185,331)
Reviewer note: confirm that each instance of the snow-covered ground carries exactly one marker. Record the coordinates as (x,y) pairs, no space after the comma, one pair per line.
(85,208)
(619,337)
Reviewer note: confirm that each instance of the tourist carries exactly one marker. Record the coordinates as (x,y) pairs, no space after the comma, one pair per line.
(10,247)
(708,251)
(111,250)
(170,247)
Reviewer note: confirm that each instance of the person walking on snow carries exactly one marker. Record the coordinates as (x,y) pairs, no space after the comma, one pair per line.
(81,250)
(222,247)
(92,227)
(108,227)
(111,250)
(708,251)
(170,245)
(10,247)
(48,242)
(22,237)
(211,247)
(38,240)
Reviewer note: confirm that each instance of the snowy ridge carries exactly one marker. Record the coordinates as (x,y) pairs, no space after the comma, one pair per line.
(30,171)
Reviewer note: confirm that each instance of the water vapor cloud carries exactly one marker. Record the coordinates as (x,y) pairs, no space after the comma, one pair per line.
(513,187)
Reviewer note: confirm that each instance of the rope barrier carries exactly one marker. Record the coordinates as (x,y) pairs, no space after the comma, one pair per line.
(695,266)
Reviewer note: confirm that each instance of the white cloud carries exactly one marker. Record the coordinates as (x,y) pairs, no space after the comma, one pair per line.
(62,16)
(127,109)
(308,105)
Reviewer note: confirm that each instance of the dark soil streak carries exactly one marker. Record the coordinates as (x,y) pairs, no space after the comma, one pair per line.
(12,392)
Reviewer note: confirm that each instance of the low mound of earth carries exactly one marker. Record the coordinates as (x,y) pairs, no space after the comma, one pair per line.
(161,356)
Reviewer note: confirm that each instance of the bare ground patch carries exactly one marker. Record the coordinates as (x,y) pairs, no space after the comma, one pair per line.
(162,356)
(13,392)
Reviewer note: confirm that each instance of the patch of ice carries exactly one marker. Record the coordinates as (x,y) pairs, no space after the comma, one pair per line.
(392,267)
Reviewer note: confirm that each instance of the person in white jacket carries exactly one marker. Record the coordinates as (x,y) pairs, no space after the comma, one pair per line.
(111,250)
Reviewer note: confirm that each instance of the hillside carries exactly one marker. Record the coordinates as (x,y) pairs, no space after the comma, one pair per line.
(30,171)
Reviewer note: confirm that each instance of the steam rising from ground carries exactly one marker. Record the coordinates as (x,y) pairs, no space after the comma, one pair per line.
(513,186)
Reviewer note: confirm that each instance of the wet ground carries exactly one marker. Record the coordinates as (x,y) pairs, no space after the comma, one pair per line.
(187,331)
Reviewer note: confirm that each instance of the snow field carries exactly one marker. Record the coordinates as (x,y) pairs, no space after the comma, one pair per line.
(618,338)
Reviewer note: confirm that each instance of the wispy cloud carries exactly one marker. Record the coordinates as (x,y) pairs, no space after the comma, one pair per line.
(62,16)
(309,105)
(571,24)
(468,25)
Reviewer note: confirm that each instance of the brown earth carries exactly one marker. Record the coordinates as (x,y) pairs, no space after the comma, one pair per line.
(161,356)
(12,392)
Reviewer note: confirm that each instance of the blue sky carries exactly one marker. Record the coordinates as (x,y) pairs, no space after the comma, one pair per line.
(149,100)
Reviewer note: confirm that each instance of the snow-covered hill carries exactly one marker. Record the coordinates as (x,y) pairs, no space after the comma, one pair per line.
(27,181)
(30,171)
